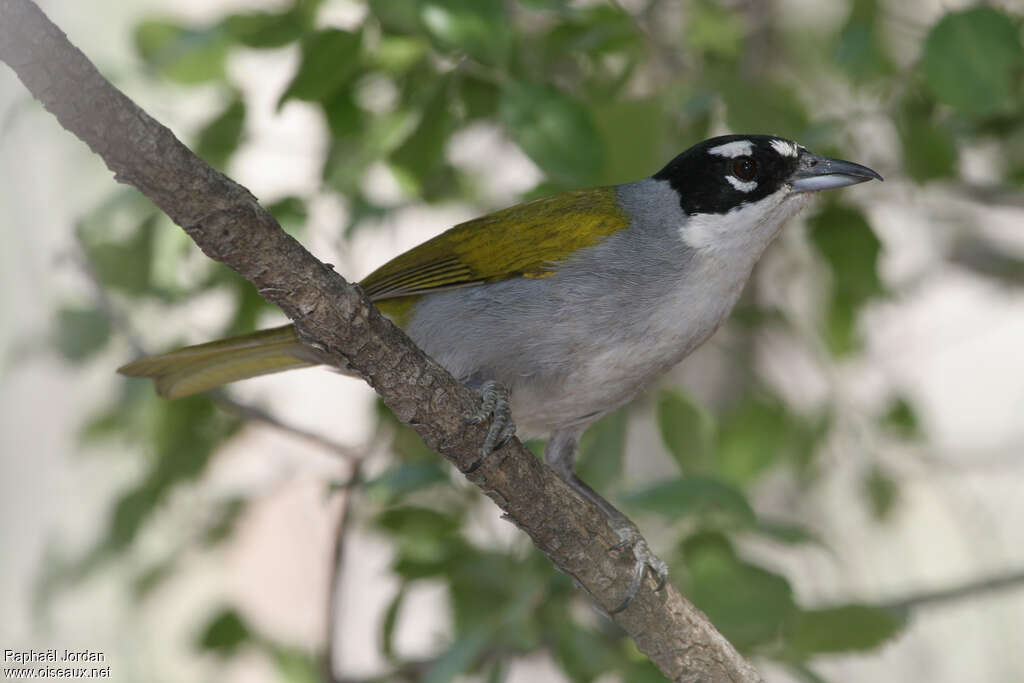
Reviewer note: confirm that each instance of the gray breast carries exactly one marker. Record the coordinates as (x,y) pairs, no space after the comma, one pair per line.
(579,343)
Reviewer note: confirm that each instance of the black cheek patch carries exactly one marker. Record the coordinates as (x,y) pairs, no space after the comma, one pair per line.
(701,178)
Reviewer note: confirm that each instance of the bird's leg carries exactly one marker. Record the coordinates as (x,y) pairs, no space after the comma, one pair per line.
(494,406)
(560,454)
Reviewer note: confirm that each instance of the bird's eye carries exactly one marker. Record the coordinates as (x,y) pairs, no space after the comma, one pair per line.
(744,168)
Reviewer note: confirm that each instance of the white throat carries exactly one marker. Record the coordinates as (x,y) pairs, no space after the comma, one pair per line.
(742,235)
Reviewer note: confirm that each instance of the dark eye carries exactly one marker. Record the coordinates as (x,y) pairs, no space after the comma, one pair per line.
(744,168)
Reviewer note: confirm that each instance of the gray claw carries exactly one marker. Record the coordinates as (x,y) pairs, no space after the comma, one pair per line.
(494,407)
(632,539)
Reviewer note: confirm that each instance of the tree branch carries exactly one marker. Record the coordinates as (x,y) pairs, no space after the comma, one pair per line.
(229,225)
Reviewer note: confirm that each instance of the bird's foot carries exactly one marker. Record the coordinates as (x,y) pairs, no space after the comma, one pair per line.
(631,538)
(494,406)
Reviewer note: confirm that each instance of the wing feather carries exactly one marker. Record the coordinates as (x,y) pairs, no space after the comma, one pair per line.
(527,240)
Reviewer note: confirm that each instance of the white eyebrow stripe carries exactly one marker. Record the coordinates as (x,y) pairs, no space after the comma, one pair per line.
(742,186)
(785,148)
(731,150)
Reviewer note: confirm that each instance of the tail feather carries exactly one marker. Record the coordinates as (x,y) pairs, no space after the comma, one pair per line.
(199,368)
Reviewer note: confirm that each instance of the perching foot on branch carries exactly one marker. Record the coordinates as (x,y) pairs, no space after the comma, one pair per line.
(494,406)
(632,539)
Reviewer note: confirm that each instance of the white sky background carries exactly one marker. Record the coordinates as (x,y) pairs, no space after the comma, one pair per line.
(950,341)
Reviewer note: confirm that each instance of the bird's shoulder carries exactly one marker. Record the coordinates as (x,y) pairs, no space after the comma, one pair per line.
(526,240)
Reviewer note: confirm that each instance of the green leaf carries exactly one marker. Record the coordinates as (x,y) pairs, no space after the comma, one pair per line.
(714,30)
(290,212)
(403,478)
(348,157)
(971,59)
(536,446)
(397,16)
(588,33)
(791,534)
(405,441)
(479,97)
(642,671)
(264,29)
(845,239)
(929,150)
(488,589)
(387,628)
(859,50)
(757,433)
(130,511)
(747,603)
(123,264)
(633,132)
(81,332)
(344,117)
(329,58)
(417,160)
(688,496)
(583,653)
(154,36)
(120,417)
(901,418)
(399,54)
(848,628)
(219,139)
(687,430)
(457,658)
(601,450)
(554,130)
(416,521)
(183,434)
(153,577)
(840,331)
(763,106)
(498,672)
(225,517)
(181,54)
(296,666)
(224,633)
(882,493)
(480,28)
(545,5)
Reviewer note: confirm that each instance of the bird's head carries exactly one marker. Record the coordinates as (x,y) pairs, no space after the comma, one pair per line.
(737,190)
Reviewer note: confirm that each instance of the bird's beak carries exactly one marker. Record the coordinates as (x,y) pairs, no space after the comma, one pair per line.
(816,172)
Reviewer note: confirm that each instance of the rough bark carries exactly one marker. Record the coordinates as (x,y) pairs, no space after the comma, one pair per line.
(229,225)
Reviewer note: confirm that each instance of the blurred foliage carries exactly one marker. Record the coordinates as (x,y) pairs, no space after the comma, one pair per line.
(844,237)
(591,93)
(226,634)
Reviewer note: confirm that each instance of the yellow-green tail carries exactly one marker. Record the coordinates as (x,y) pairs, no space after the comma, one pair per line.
(199,368)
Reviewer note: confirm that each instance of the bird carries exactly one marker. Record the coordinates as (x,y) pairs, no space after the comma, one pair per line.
(562,309)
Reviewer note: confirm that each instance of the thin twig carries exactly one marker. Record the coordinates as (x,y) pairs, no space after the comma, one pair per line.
(253,414)
(991,195)
(337,562)
(955,593)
